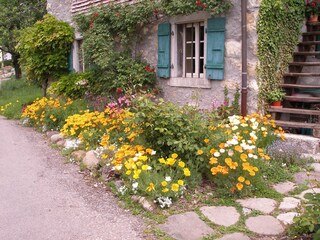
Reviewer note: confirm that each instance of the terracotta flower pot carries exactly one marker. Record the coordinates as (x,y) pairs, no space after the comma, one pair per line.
(313,18)
(276,104)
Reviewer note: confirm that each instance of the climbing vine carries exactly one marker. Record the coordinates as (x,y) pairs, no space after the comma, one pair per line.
(109,32)
(278,28)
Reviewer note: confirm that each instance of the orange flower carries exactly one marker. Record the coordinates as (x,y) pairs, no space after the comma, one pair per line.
(239,186)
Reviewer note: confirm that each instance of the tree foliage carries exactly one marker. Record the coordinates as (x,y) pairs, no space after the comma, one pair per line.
(16,15)
(44,49)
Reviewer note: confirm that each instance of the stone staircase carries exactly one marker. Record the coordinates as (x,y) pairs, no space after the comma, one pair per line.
(301,106)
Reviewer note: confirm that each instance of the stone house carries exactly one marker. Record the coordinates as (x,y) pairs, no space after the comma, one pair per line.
(196,55)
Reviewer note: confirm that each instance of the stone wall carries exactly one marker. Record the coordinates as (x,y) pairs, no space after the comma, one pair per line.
(204,95)
(146,45)
(61,9)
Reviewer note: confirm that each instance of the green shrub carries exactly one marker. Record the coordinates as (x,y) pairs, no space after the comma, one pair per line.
(309,221)
(123,74)
(73,85)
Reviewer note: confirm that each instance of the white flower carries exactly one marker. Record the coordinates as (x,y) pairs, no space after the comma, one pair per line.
(135,159)
(153,153)
(263,129)
(135,185)
(164,202)
(230,153)
(168,179)
(250,155)
(122,190)
(149,168)
(222,150)
(234,128)
(217,154)
(118,167)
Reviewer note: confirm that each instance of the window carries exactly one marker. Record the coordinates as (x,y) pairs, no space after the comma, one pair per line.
(191,49)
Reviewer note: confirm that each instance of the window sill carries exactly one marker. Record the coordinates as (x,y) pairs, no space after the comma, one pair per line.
(189,82)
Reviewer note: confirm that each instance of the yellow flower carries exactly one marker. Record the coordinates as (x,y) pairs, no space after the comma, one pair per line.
(266,157)
(171,161)
(128,172)
(174,155)
(165,190)
(186,172)
(151,187)
(175,187)
(221,145)
(199,152)
(206,141)
(241,179)
(144,167)
(162,160)
(247,182)
(180,182)
(244,157)
(181,164)
(164,183)
(238,148)
(239,186)
(213,160)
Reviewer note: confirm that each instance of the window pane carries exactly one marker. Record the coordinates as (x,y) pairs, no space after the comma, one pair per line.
(190,36)
(190,49)
(201,33)
(201,49)
(201,65)
(190,66)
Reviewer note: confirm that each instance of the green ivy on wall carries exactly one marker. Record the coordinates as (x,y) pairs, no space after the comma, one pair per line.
(278,29)
(109,33)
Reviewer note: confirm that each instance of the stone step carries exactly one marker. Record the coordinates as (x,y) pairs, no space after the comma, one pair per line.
(305,99)
(307,144)
(309,43)
(294,111)
(301,74)
(307,53)
(305,64)
(289,85)
(311,33)
(292,124)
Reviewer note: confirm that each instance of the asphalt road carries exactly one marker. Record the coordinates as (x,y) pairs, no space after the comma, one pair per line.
(41,197)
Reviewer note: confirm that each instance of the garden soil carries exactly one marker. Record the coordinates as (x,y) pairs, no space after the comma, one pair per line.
(41,197)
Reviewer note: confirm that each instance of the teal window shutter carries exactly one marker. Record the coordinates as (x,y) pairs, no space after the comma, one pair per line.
(164,42)
(70,62)
(215,48)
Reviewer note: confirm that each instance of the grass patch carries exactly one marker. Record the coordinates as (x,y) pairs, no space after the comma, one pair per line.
(14,95)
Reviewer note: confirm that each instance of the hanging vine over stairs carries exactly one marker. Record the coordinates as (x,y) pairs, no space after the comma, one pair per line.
(301,106)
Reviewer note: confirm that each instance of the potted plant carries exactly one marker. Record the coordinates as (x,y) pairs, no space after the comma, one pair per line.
(276,96)
(312,10)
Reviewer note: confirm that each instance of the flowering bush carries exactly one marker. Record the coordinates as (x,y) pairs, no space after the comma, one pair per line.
(164,178)
(49,113)
(72,86)
(235,161)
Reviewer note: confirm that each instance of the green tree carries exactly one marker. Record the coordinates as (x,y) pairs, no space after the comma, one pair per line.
(44,50)
(15,15)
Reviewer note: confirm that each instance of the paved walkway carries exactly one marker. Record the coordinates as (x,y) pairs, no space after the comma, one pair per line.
(43,198)
(268,222)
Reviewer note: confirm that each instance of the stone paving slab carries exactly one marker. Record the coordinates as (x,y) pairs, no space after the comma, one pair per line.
(287,218)
(284,187)
(235,236)
(186,226)
(266,225)
(264,205)
(303,177)
(316,167)
(225,216)
(289,203)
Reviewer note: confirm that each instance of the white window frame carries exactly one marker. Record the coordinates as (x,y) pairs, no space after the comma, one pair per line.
(187,81)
